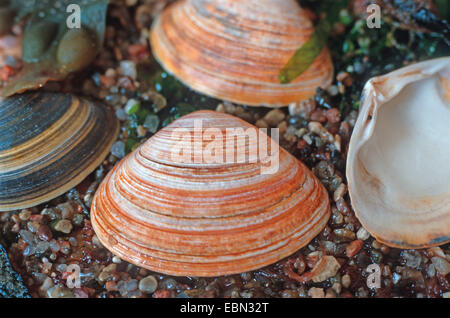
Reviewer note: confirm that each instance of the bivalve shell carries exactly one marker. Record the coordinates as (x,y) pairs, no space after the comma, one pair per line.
(398,162)
(234,50)
(49,142)
(207,218)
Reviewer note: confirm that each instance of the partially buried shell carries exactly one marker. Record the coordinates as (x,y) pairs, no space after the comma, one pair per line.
(398,166)
(206,219)
(234,50)
(49,142)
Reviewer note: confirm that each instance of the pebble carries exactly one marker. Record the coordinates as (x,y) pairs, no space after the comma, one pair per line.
(337,287)
(303,108)
(333,90)
(47,284)
(376,245)
(441,265)
(25,214)
(362,234)
(116,260)
(110,72)
(54,246)
(33,226)
(344,234)
(118,149)
(44,233)
(282,127)
(128,68)
(78,219)
(52,213)
(396,277)
(229,107)
(63,226)
(27,236)
(296,109)
(274,117)
(325,268)
(131,285)
(151,123)
(318,129)
(330,293)
(107,272)
(29,250)
(221,108)
(333,115)
(315,292)
(42,247)
(59,292)
(141,131)
(338,218)
(412,258)
(67,210)
(73,241)
(148,284)
(121,114)
(261,123)
(346,281)
(353,248)
(340,192)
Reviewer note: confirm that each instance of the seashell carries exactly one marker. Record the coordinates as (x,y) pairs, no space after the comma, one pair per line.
(234,50)
(398,161)
(49,142)
(197,218)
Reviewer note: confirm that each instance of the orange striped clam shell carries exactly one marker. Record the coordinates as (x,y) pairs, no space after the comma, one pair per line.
(234,50)
(206,219)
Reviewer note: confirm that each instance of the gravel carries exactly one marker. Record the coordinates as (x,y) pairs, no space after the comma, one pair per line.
(118,149)
(148,284)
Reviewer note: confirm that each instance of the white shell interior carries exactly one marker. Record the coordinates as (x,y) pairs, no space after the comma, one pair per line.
(398,165)
(411,140)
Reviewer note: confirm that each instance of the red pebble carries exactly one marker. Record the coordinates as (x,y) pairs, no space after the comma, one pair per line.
(302,144)
(353,248)
(44,233)
(163,293)
(138,51)
(333,115)
(6,73)
(37,218)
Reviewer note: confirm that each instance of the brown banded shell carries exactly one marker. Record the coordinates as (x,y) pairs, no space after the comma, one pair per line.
(234,50)
(398,161)
(49,142)
(207,218)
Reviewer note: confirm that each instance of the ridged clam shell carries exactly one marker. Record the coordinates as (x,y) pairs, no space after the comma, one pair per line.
(206,219)
(399,156)
(49,142)
(234,50)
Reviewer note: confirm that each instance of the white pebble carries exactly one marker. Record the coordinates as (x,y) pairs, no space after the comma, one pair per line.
(362,234)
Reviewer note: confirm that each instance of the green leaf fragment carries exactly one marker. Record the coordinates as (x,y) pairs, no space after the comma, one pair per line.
(305,56)
(132,106)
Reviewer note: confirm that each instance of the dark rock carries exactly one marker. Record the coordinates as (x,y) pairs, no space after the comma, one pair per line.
(11,284)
